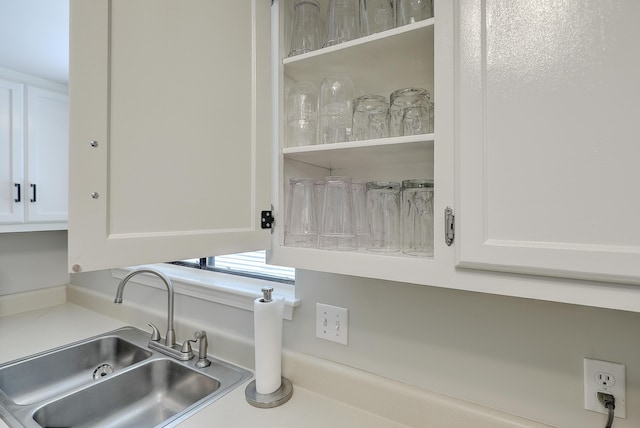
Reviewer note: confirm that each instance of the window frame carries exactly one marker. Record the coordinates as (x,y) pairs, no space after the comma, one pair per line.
(205,264)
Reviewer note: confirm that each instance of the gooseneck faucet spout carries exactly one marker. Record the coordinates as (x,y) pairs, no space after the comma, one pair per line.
(170,339)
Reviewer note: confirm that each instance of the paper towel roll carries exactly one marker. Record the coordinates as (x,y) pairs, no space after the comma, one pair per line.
(267,320)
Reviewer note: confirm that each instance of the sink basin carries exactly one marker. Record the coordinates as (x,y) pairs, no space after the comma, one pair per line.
(143,398)
(111,380)
(46,375)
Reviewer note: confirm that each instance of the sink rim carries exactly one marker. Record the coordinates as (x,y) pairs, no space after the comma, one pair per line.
(230,376)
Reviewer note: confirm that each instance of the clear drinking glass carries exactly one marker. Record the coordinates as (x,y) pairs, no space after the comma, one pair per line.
(318,189)
(363,233)
(376,16)
(335,115)
(301,226)
(337,230)
(302,115)
(383,211)
(410,11)
(305,32)
(343,22)
(417,217)
(370,117)
(409,112)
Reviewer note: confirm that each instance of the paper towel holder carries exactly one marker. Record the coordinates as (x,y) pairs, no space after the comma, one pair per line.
(280,395)
(267,401)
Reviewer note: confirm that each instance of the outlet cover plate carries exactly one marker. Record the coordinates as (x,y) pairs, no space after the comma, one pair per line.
(332,323)
(606,377)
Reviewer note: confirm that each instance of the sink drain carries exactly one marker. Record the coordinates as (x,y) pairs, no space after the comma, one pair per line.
(102,371)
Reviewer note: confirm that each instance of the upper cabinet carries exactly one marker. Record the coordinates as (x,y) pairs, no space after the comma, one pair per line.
(377,64)
(171,130)
(34,117)
(172,145)
(178,140)
(11,151)
(546,138)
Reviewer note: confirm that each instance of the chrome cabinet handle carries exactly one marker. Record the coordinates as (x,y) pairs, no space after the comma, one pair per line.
(33,187)
(19,192)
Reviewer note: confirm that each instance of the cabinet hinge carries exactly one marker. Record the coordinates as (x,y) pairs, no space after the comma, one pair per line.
(449,226)
(266,220)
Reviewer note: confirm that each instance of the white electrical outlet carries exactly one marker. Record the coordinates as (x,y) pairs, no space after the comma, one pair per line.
(332,323)
(605,377)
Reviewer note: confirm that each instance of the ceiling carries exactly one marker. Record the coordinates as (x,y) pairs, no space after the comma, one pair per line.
(34,38)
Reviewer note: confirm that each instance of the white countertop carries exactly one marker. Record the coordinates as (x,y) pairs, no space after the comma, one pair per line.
(43,329)
(325,393)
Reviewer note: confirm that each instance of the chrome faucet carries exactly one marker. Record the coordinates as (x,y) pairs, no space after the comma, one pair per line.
(169,347)
(170,338)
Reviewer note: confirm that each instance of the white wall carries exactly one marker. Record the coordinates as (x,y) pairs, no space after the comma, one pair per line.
(32,260)
(517,355)
(521,356)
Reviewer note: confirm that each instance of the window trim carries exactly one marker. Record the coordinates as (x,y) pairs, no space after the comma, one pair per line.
(231,290)
(202,264)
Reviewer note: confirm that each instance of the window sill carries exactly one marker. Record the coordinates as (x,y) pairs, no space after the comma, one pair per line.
(231,290)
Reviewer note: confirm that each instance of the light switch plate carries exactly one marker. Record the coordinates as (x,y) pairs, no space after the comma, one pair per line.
(332,323)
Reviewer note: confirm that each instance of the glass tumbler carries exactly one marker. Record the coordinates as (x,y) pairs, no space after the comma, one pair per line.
(410,112)
(343,22)
(301,226)
(370,117)
(359,190)
(337,230)
(376,16)
(318,190)
(302,115)
(383,212)
(335,115)
(417,217)
(410,11)
(305,33)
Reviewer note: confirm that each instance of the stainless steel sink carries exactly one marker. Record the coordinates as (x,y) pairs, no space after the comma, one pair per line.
(47,375)
(112,380)
(143,397)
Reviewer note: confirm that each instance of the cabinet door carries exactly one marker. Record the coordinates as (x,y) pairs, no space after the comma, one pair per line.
(47,155)
(547,107)
(170,130)
(11,153)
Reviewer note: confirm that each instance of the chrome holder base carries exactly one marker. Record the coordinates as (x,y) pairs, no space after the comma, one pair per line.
(267,401)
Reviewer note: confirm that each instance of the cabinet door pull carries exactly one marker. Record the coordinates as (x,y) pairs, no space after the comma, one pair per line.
(18,192)
(33,187)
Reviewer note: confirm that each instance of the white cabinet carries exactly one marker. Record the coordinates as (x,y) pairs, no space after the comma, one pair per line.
(171,128)
(182,144)
(177,140)
(11,152)
(377,64)
(546,137)
(33,145)
(47,155)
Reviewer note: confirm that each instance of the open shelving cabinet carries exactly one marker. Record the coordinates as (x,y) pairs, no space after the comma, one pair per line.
(378,64)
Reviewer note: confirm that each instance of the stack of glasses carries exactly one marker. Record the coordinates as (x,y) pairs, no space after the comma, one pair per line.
(350,19)
(339,213)
(335,116)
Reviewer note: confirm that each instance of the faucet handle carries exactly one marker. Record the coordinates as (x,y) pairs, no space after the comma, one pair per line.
(155,334)
(186,346)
